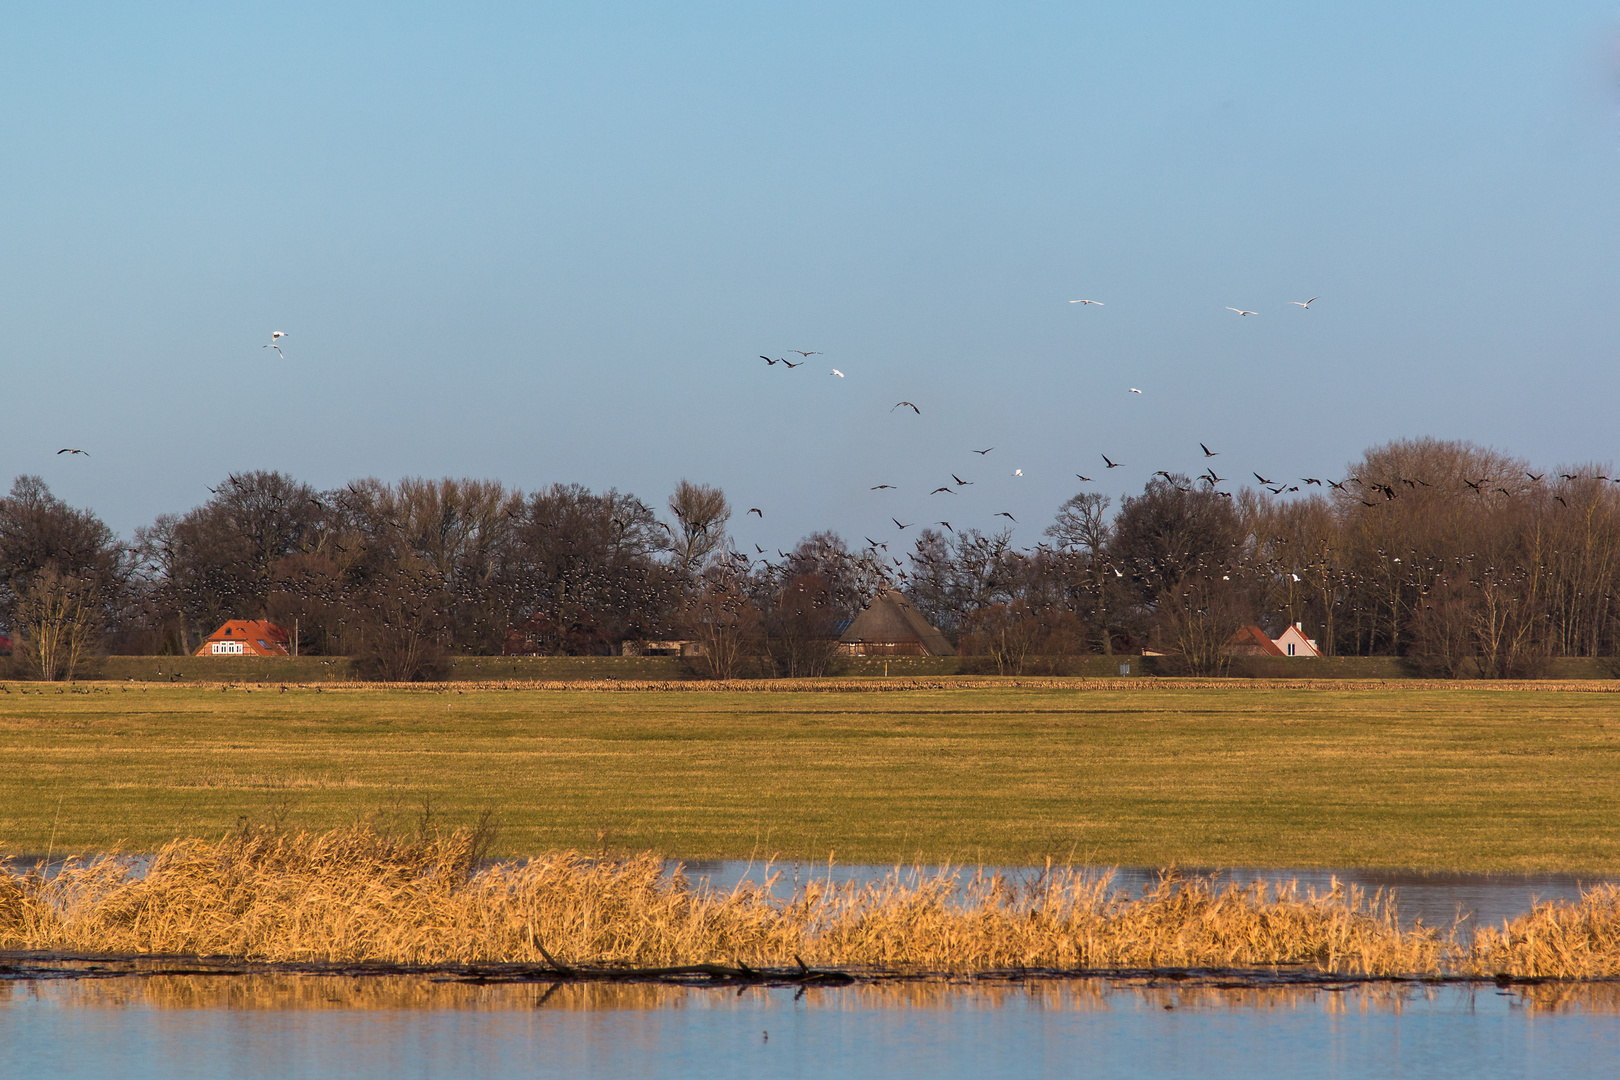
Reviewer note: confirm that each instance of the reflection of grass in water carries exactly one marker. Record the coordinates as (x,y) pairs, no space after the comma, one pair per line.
(1245,774)
(414,992)
(355,895)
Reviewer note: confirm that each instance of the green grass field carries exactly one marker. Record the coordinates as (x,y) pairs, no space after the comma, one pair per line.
(1412,774)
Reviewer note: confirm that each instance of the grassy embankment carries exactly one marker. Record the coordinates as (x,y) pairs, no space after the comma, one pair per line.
(1460,776)
(484,668)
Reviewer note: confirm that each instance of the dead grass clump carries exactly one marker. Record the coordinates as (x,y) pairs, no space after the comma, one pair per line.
(356,895)
(1557,940)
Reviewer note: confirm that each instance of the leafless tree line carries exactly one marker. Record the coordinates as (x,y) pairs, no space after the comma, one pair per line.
(1462,560)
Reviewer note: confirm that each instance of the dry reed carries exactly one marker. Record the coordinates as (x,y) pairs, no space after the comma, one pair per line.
(355,895)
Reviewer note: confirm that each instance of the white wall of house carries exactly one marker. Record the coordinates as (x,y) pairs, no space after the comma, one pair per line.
(1293,642)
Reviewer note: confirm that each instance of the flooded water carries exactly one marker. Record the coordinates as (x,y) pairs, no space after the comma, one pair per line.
(183,1026)
(1438,899)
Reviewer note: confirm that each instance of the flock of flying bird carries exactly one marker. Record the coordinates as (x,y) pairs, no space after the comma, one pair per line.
(1209,477)
(1379,492)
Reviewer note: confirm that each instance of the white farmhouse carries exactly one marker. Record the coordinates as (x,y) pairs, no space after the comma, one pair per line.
(1293,642)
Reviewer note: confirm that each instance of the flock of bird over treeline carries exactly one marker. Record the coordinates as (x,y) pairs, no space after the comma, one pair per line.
(1463,559)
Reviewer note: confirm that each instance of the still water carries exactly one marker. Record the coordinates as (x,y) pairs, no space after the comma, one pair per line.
(406,1026)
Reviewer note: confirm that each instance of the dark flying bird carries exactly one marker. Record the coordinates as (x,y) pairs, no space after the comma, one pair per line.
(981,453)
(1207,451)
(946,524)
(961,482)
(1263,480)
(70,450)
(1110,464)
(880,487)
(1008,516)
(946,490)
(791,365)
(907,405)
(801,352)
(755,510)
(899,526)
(768,360)
(1087,479)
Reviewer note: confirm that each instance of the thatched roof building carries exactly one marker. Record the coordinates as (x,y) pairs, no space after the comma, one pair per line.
(891,626)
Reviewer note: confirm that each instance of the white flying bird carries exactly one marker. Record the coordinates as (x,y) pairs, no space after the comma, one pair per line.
(1134,390)
(838,373)
(275,340)
(1018,472)
(1240,311)
(1306,304)
(1099,303)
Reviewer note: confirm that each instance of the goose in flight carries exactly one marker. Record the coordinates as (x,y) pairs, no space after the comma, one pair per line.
(755,510)
(961,482)
(985,451)
(1110,464)
(1241,311)
(881,487)
(768,360)
(1207,451)
(70,450)
(801,352)
(908,405)
(1008,516)
(791,365)
(901,527)
(1306,304)
(1099,303)
(1086,479)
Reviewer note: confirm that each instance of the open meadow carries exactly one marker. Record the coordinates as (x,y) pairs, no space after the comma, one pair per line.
(1418,774)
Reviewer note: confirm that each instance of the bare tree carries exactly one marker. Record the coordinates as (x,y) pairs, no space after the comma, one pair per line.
(701,513)
(58,618)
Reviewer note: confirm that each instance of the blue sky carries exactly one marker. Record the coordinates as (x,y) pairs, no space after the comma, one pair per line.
(547,243)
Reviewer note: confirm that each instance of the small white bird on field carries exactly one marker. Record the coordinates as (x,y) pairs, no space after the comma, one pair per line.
(1099,303)
(838,373)
(1240,311)
(1306,304)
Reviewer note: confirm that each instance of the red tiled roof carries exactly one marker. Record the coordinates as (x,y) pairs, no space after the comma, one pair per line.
(258,637)
(1253,640)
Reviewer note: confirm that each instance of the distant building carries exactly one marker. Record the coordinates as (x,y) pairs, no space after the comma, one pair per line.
(891,626)
(1294,642)
(246,637)
(662,648)
(1252,641)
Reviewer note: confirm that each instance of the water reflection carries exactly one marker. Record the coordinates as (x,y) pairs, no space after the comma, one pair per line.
(280,1025)
(347,993)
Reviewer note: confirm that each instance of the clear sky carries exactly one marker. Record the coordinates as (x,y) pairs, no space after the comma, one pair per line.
(547,243)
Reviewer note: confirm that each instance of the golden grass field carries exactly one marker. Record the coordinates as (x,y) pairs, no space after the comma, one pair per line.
(1412,774)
